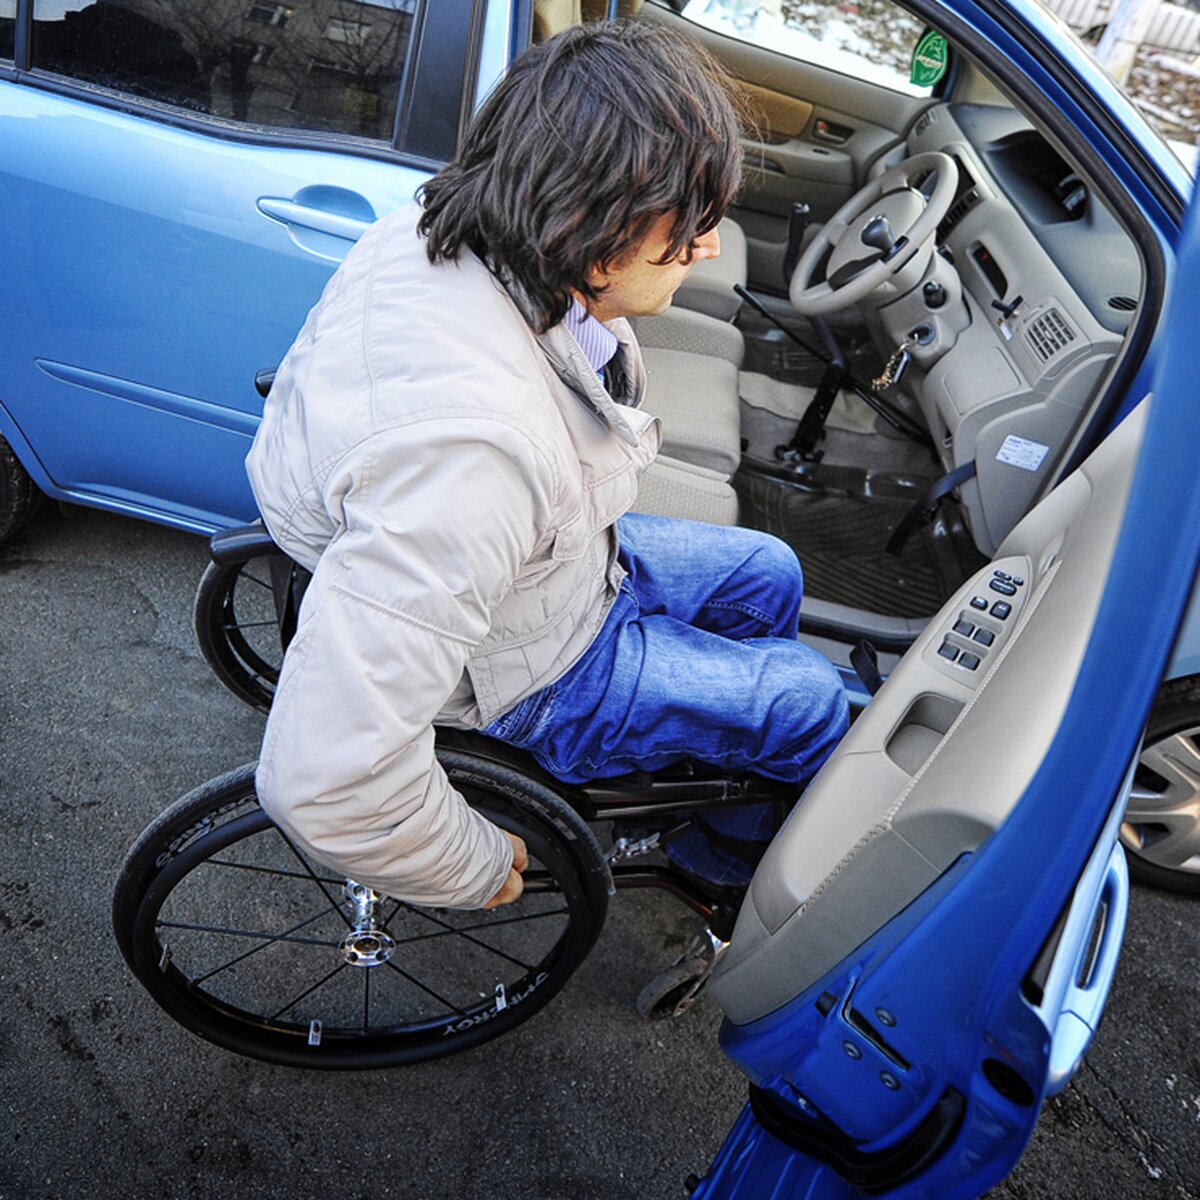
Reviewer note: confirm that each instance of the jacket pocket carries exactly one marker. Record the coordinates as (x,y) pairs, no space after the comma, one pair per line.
(572,537)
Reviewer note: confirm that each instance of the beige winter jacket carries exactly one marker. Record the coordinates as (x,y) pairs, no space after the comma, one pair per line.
(453,479)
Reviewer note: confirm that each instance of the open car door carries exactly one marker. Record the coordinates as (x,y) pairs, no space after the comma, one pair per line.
(927,947)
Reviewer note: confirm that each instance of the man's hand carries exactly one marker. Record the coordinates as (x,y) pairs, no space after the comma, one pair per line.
(514,885)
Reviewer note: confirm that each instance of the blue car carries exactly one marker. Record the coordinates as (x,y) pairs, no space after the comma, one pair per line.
(955,243)
(180,178)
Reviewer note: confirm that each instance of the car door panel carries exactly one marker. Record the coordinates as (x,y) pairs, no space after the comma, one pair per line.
(130,218)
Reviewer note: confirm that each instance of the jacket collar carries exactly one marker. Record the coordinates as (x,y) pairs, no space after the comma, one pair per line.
(571,365)
(573,368)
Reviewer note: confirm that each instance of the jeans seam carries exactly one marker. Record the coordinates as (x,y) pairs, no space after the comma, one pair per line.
(747,610)
(687,751)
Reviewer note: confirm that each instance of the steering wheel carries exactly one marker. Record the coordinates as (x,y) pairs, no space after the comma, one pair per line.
(883,228)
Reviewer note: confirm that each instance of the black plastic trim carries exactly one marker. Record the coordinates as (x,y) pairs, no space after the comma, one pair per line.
(22,33)
(435,100)
(871,1171)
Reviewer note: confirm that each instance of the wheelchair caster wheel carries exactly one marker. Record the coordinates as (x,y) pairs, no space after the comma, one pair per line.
(673,991)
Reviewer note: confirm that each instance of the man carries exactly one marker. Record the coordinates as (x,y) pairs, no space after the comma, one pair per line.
(450,444)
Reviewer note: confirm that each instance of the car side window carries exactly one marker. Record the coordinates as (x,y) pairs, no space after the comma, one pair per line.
(331,66)
(872,40)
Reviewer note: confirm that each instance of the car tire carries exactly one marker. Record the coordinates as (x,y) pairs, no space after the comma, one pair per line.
(19,495)
(1161,833)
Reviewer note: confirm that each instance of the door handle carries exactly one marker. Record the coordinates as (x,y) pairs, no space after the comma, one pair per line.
(320,220)
(762,162)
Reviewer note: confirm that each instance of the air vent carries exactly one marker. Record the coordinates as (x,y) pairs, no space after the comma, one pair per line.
(924,121)
(1122,303)
(958,210)
(1049,334)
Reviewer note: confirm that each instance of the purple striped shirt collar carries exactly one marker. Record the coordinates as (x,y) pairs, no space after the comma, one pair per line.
(597,341)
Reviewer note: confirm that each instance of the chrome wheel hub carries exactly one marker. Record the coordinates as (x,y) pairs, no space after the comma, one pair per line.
(365,945)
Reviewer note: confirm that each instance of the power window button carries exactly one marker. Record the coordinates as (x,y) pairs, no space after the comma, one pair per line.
(946,650)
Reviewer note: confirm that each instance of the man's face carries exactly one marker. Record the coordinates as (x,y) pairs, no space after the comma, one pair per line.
(641,286)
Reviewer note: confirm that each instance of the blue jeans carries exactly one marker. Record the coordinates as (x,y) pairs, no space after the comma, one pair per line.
(698,659)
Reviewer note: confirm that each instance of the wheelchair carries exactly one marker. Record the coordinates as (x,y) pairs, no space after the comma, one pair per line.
(249,943)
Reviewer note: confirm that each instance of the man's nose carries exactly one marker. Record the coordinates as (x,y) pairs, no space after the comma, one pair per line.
(707,245)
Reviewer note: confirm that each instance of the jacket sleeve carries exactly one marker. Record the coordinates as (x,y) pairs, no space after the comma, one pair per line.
(435,521)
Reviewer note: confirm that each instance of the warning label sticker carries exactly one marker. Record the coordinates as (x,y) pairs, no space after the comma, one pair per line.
(1021,452)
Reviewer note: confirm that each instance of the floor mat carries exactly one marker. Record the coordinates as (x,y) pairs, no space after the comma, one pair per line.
(840,542)
(791,400)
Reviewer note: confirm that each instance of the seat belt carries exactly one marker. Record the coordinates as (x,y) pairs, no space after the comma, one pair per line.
(864,658)
(922,511)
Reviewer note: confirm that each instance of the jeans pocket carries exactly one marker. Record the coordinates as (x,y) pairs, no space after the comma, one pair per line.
(521,723)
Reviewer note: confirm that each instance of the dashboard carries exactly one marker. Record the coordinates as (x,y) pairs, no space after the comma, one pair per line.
(1043,283)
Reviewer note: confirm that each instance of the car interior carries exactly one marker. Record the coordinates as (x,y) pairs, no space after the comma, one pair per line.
(938,298)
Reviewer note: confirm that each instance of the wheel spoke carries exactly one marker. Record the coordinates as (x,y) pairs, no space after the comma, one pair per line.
(1172,842)
(1176,760)
(308,991)
(244,574)
(268,940)
(240,625)
(451,930)
(278,871)
(189,927)
(308,871)
(428,990)
(366,1021)
(462,932)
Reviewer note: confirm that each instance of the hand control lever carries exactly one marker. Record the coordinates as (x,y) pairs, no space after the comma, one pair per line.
(797,228)
(877,233)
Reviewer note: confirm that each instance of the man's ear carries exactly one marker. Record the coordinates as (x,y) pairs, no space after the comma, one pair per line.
(597,279)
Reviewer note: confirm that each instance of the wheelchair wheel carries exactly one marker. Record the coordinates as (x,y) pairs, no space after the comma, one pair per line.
(248,943)
(238,629)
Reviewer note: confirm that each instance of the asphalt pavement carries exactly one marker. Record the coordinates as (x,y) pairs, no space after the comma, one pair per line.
(107,713)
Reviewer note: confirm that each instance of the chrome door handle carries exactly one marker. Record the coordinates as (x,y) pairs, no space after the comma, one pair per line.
(306,217)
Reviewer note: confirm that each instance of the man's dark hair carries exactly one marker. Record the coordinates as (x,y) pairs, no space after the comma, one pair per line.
(591,137)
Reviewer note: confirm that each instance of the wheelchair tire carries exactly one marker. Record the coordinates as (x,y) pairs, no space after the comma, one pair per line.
(246,942)
(237,628)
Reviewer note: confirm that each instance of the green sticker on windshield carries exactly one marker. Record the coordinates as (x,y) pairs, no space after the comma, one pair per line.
(930,59)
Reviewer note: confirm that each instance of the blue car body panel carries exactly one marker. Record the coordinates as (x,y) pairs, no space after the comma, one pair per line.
(160,268)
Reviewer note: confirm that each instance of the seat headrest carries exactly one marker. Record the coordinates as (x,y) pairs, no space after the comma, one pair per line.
(597,10)
(553,16)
